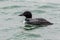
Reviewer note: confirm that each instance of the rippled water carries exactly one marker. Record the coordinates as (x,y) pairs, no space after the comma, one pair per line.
(12,28)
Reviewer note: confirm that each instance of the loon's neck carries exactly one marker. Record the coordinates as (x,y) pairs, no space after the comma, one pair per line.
(28,19)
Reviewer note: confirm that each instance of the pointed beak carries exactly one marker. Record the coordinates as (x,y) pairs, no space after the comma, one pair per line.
(20,15)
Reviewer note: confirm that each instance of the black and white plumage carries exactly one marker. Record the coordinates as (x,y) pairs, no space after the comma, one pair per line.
(36,21)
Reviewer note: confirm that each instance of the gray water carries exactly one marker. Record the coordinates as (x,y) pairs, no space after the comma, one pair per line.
(12,26)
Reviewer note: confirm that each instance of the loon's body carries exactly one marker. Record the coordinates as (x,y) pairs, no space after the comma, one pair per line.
(36,21)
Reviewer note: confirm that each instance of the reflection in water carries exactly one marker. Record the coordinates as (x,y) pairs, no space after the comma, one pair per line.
(31,27)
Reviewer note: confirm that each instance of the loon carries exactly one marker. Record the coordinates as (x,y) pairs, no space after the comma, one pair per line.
(36,21)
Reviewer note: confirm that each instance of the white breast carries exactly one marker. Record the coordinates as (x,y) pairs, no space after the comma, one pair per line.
(24,22)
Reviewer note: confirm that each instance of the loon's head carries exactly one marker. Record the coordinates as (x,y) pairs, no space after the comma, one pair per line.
(27,14)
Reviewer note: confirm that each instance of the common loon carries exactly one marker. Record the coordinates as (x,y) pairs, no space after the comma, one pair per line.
(36,21)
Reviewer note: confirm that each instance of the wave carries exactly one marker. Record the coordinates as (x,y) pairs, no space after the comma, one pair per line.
(10,7)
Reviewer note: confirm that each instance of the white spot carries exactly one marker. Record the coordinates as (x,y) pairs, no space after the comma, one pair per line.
(24,22)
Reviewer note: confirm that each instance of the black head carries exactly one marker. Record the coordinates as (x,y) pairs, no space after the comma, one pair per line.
(27,14)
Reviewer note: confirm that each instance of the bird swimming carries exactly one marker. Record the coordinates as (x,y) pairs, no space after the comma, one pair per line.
(36,21)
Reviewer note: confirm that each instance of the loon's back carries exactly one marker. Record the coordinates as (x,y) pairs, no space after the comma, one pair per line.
(38,21)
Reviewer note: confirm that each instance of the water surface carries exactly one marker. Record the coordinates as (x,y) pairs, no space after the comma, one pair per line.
(12,27)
